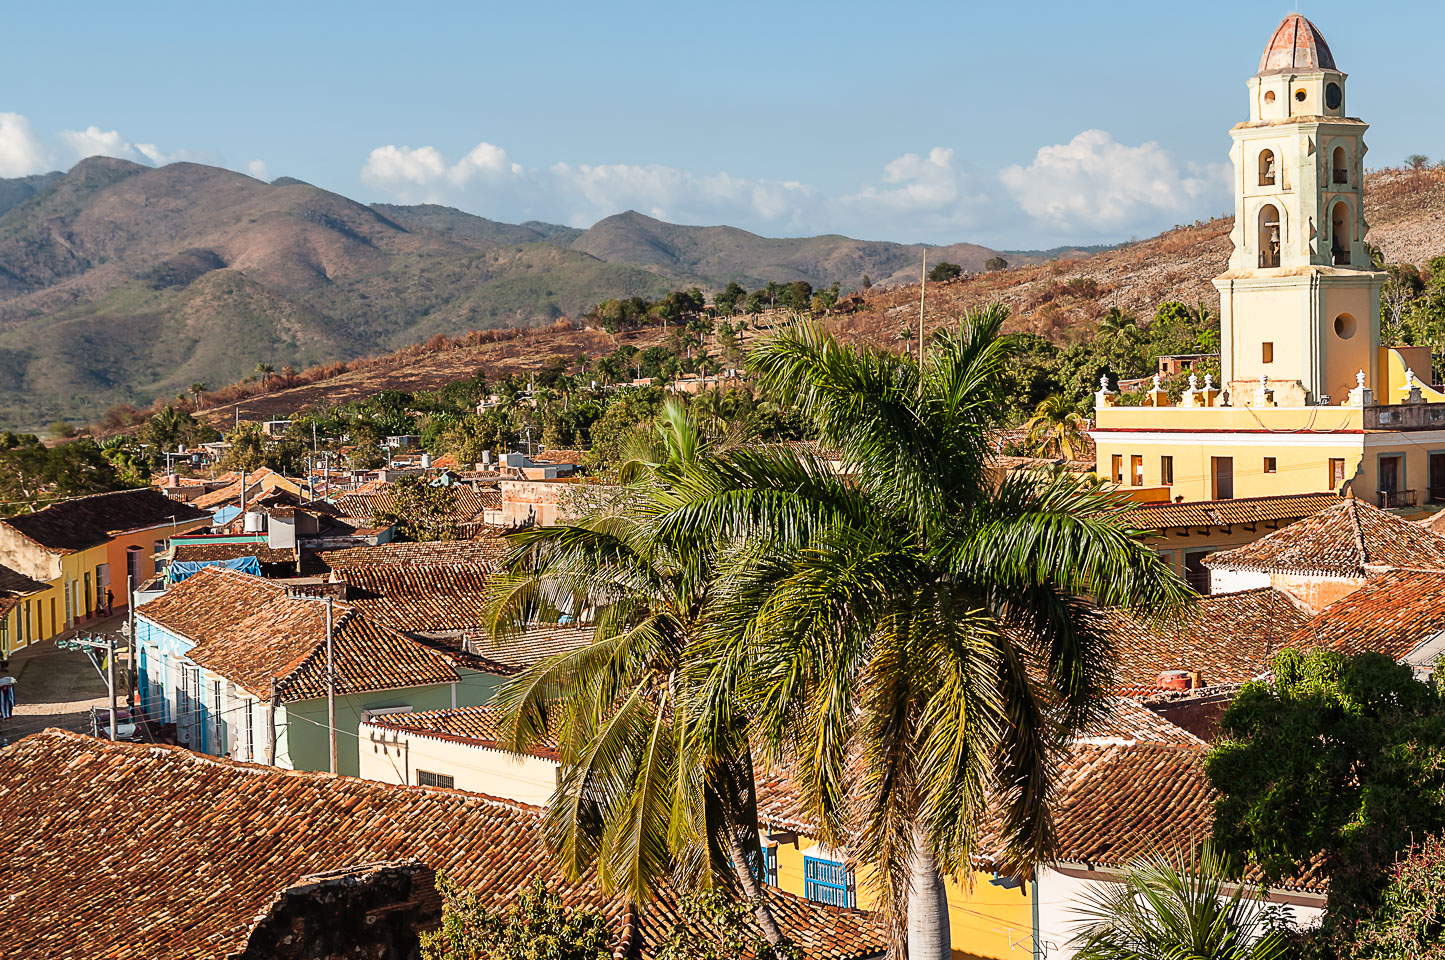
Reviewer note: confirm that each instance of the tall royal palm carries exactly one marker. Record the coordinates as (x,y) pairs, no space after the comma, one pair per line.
(915,635)
(643,801)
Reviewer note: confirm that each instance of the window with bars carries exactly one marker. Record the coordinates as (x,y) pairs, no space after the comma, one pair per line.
(425,778)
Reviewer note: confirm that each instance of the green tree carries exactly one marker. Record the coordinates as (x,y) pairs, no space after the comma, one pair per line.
(536,926)
(643,797)
(1338,759)
(798,295)
(758,301)
(251,450)
(421,511)
(615,431)
(914,635)
(867,282)
(728,301)
(1408,923)
(1057,429)
(943,270)
(198,390)
(1417,161)
(264,371)
(995,263)
(468,438)
(734,937)
(1184,906)
(62,429)
(172,427)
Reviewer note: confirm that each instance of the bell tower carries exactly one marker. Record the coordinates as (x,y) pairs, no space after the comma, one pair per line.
(1299,305)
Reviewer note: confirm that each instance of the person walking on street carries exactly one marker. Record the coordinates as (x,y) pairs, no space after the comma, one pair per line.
(109,602)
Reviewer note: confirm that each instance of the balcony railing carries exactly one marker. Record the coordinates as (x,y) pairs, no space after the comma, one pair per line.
(1341,257)
(1397,498)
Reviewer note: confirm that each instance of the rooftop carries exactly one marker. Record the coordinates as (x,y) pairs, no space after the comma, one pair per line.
(186,874)
(418,598)
(483,553)
(1225,513)
(1392,614)
(1346,539)
(479,726)
(1227,638)
(1296,46)
(252,632)
(83,522)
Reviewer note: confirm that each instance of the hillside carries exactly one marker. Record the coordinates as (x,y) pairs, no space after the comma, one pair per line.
(1405,210)
(120,283)
(723,254)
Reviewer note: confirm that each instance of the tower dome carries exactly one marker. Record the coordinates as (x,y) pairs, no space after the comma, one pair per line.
(1296,45)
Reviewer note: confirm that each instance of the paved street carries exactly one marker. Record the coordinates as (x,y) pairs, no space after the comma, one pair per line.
(57,688)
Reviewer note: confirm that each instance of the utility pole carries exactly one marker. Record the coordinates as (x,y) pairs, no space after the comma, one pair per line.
(922,292)
(132,653)
(110,683)
(330,686)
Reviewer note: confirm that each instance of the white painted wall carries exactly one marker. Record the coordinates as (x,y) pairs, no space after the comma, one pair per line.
(1060,895)
(1233,581)
(394,757)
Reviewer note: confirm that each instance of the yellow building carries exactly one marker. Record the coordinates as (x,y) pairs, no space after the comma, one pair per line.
(1310,401)
(82,550)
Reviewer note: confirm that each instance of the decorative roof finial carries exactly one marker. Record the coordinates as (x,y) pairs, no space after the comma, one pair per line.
(1209,381)
(1193,381)
(1360,379)
(1104,382)
(1409,379)
(1156,382)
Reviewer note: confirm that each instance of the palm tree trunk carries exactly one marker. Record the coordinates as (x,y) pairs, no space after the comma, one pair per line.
(749,883)
(929,937)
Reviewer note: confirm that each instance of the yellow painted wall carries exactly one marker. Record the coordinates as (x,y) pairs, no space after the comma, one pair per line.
(1297,468)
(985,920)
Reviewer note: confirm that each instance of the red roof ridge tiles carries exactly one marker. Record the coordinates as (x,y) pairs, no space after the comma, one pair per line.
(480,726)
(1391,614)
(1244,510)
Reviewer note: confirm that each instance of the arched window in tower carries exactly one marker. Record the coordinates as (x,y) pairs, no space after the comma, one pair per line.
(1341,165)
(1266,168)
(1269,236)
(1340,235)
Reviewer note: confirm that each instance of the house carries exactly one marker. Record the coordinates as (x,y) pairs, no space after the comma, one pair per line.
(461,748)
(1130,784)
(1186,532)
(205,857)
(236,666)
(19,609)
(85,548)
(1311,399)
(1400,614)
(1322,558)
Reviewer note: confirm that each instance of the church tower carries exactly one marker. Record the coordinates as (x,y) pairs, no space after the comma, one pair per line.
(1299,304)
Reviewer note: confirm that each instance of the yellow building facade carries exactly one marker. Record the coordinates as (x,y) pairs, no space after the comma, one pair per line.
(1310,400)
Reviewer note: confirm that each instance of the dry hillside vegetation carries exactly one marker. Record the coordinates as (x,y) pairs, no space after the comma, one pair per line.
(1061,299)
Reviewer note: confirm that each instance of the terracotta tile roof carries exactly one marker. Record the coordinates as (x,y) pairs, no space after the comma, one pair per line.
(467,504)
(574,457)
(1392,614)
(201,552)
(1343,540)
(536,643)
(1228,637)
(1223,513)
(251,632)
(16,584)
(230,493)
(478,726)
(185,875)
(480,553)
(85,522)
(413,598)
(1126,721)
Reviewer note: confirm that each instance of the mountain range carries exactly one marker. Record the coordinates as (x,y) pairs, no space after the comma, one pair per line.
(121,282)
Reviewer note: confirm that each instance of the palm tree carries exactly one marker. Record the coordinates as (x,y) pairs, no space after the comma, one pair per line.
(264,370)
(198,390)
(1116,321)
(643,799)
(914,639)
(1056,429)
(1178,906)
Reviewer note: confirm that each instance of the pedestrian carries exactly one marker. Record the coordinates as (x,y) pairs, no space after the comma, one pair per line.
(7,691)
(109,602)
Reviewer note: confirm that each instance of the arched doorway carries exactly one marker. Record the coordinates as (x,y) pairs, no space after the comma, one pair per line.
(1269,235)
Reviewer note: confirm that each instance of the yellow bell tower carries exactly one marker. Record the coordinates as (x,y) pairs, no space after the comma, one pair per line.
(1299,305)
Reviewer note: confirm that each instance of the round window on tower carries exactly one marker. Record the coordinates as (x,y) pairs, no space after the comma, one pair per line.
(1344,326)
(1334,96)
(1300,95)
(1269,96)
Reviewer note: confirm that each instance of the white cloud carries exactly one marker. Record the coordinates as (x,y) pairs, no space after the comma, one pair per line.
(1088,189)
(22,153)
(1094,183)
(95,142)
(257,169)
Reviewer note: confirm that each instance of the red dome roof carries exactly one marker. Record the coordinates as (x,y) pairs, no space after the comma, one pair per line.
(1296,44)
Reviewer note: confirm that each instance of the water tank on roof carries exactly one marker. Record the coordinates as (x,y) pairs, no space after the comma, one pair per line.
(255,522)
(486,458)
(426,461)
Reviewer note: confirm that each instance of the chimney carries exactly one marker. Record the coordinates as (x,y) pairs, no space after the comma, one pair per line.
(1176,680)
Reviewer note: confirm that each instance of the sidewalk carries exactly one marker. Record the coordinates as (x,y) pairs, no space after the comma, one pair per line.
(57,688)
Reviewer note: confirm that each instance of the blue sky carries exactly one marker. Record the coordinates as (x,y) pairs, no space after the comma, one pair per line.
(998,123)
